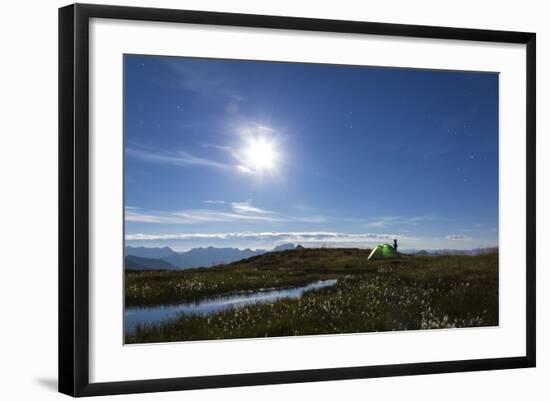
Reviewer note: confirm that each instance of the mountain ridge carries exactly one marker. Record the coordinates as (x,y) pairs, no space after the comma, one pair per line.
(133,262)
(195,257)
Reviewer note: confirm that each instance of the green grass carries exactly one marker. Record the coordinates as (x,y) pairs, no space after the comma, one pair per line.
(409,293)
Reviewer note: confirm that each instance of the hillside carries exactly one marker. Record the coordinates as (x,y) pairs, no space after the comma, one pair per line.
(151,253)
(411,292)
(196,257)
(210,256)
(287,269)
(138,263)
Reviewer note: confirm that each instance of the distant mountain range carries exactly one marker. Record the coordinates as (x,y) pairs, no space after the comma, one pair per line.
(206,257)
(138,263)
(154,253)
(439,252)
(165,258)
(285,247)
(142,258)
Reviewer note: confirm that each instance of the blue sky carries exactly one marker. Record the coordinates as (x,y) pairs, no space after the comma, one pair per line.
(254,154)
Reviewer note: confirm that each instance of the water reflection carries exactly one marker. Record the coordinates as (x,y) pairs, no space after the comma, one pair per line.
(158,314)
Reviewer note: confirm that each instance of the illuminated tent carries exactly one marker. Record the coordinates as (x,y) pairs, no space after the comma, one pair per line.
(383,251)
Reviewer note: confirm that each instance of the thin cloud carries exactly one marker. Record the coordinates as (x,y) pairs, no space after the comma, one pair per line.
(247,207)
(206,215)
(311,219)
(205,81)
(387,221)
(377,224)
(223,148)
(232,159)
(195,216)
(180,158)
(458,237)
(244,169)
(133,215)
(301,237)
(184,158)
(221,212)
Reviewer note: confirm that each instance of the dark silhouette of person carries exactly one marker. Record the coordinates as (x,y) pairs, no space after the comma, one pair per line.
(395,244)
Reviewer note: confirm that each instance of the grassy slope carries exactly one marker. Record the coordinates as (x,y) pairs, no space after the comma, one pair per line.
(404,294)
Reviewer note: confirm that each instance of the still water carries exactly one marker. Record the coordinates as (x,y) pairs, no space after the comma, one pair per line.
(159,314)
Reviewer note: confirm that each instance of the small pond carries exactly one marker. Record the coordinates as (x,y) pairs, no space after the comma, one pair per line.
(162,313)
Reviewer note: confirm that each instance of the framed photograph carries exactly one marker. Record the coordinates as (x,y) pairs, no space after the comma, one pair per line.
(250,199)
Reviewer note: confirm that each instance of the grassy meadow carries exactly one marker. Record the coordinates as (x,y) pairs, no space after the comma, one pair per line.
(409,293)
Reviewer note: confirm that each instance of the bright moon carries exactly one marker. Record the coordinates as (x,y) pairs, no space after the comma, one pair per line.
(260,155)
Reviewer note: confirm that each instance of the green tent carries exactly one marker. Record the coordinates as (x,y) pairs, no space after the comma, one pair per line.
(383,251)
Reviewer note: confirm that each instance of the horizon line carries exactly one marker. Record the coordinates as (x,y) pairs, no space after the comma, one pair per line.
(312,247)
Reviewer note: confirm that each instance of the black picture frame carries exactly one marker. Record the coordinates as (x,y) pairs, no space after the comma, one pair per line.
(74,198)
